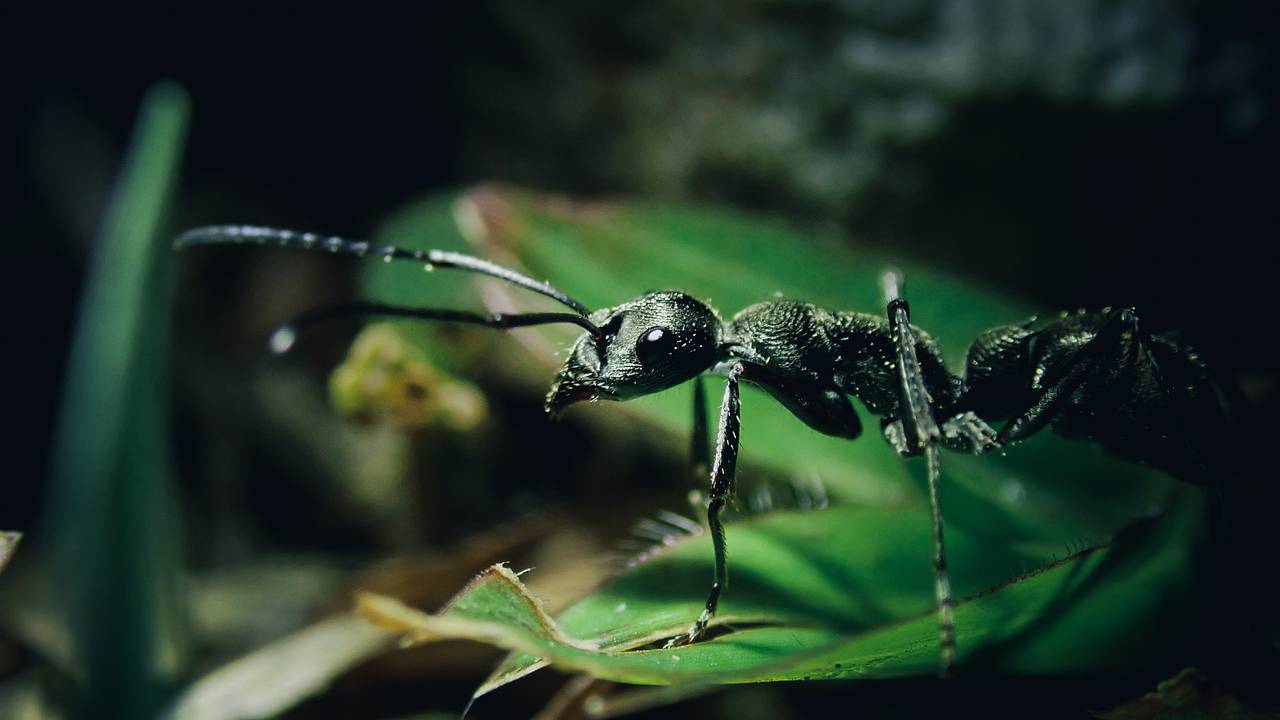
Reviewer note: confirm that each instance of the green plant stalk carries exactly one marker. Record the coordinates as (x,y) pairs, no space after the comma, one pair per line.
(111,521)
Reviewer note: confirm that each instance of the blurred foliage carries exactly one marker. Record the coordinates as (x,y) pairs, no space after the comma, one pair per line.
(384,378)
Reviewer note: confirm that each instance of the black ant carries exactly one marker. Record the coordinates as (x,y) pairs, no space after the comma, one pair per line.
(1094,375)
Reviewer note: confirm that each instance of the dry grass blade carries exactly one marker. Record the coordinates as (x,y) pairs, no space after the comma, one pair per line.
(277,677)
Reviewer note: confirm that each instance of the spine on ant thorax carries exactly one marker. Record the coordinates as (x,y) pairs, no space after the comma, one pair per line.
(852,350)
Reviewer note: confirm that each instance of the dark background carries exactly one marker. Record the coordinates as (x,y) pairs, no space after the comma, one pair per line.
(1067,182)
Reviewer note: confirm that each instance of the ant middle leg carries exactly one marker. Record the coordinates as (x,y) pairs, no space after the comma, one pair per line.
(917,432)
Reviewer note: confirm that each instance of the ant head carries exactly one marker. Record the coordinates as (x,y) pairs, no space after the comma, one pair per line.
(654,342)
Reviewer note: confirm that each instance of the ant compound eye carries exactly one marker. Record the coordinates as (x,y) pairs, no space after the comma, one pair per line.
(655,345)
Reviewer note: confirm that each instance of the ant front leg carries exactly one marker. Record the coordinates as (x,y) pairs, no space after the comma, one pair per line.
(723,469)
(920,433)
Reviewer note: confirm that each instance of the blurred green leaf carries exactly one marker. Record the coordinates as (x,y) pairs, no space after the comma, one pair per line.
(386,379)
(839,593)
(112,515)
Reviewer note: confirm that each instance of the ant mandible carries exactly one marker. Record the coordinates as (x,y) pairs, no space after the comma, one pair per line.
(1094,375)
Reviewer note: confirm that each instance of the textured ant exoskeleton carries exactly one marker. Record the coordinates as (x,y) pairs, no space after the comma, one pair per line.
(1095,375)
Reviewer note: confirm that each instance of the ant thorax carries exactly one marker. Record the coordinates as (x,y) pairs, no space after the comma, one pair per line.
(851,351)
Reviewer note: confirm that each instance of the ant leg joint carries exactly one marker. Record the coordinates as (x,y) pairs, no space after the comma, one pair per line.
(896,304)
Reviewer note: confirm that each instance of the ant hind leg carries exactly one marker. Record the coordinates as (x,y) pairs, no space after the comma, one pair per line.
(967,433)
(963,432)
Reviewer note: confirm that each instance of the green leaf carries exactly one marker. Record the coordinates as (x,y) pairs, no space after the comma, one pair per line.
(811,598)
(112,515)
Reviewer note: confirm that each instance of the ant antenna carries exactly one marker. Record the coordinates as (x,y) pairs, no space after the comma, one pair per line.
(431,259)
(283,338)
